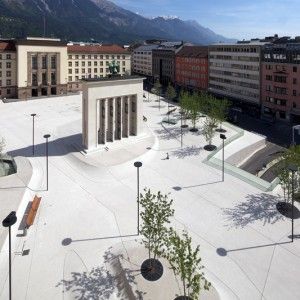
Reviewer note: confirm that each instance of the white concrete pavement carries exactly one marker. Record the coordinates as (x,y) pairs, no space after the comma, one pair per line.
(88,207)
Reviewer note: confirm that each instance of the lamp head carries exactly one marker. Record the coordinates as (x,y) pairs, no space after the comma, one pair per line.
(10,220)
(46,136)
(137,164)
(222,136)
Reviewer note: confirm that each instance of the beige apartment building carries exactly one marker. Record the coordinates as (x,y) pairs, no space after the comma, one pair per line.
(142,59)
(234,71)
(92,61)
(35,67)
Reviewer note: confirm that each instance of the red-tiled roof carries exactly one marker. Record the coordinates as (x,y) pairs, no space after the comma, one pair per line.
(7,46)
(96,49)
(193,51)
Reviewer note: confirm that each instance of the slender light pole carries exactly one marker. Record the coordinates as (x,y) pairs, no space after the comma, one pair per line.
(223,138)
(293,169)
(10,220)
(46,136)
(33,115)
(296,127)
(138,164)
(181,133)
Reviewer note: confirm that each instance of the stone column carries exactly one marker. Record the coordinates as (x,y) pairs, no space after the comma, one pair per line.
(124,117)
(118,118)
(98,121)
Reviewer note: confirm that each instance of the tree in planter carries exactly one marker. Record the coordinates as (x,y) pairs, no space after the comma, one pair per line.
(171,94)
(219,111)
(290,157)
(183,101)
(204,103)
(209,132)
(155,214)
(157,90)
(186,263)
(194,110)
(2,145)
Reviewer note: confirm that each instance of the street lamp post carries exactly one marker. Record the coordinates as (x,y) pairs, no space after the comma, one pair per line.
(181,133)
(296,127)
(223,138)
(33,115)
(293,169)
(46,136)
(10,220)
(138,164)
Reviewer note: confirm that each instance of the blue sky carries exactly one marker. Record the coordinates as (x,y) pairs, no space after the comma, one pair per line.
(232,18)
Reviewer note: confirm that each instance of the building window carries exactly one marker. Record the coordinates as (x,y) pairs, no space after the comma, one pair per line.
(34,62)
(95,70)
(95,56)
(70,56)
(101,70)
(76,64)
(70,64)
(82,70)
(101,63)
(294,93)
(294,80)
(95,63)
(89,63)
(89,56)
(70,78)
(101,56)
(76,56)
(83,63)
(8,73)
(107,56)
(294,69)
(76,78)
(53,78)
(269,77)
(53,62)
(8,91)
(8,56)
(44,79)
(76,71)
(44,62)
(8,82)
(70,71)
(34,79)
(83,56)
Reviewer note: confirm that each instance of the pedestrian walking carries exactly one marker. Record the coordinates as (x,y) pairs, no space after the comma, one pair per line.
(167,156)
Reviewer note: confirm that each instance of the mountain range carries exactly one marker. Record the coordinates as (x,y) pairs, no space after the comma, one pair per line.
(100,20)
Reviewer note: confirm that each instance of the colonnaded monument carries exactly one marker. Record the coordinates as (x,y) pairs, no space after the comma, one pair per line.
(112,109)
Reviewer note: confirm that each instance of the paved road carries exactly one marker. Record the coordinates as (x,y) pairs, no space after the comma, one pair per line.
(278,133)
(261,159)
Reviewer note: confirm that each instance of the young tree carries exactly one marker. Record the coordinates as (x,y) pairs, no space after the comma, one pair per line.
(219,111)
(186,263)
(171,94)
(157,90)
(2,145)
(155,214)
(183,101)
(209,132)
(290,157)
(193,110)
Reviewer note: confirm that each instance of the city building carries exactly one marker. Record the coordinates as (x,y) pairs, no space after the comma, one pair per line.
(92,61)
(142,60)
(234,72)
(33,67)
(163,61)
(112,109)
(191,67)
(280,80)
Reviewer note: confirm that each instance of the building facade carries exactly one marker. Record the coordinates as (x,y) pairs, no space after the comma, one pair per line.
(8,69)
(234,71)
(112,110)
(142,60)
(92,61)
(163,61)
(191,67)
(280,88)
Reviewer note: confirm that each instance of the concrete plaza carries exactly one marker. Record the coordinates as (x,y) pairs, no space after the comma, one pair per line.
(88,216)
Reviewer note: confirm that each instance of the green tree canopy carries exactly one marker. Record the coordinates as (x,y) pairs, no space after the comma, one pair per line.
(171,93)
(186,263)
(156,213)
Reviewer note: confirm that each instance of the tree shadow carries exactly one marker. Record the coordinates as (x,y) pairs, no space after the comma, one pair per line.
(103,282)
(186,152)
(169,133)
(258,207)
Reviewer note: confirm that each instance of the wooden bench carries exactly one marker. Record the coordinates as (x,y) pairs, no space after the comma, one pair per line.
(33,210)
